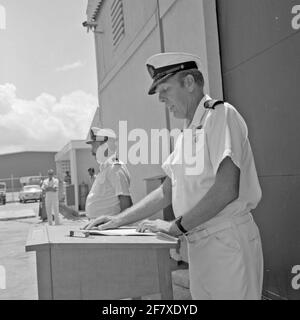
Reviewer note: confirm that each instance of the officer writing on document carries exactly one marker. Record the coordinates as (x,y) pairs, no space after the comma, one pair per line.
(212,200)
(109,194)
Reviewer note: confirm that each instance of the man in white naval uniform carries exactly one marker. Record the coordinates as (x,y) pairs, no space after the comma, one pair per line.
(211,198)
(50,187)
(109,194)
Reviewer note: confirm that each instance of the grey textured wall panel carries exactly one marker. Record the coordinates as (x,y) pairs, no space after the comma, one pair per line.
(250,27)
(266,91)
(260,55)
(24,164)
(278,218)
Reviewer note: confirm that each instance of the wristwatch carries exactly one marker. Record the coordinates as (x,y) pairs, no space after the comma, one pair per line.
(179,225)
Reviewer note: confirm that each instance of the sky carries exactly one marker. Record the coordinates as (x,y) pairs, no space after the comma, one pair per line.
(48,81)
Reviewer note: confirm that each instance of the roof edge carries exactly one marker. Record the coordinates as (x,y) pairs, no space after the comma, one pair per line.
(95,10)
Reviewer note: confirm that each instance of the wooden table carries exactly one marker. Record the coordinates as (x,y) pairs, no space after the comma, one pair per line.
(99,267)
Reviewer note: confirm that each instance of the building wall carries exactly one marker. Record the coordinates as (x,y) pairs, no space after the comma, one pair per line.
(108,54)
(261,75)
(185,31)
(76,156)
(26,164)
(123,79)
(95,122)
(84,161)
(62,167)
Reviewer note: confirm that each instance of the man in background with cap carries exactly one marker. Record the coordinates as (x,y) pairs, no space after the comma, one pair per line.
(92,176)
(212,201)
(109,194)
(50,187)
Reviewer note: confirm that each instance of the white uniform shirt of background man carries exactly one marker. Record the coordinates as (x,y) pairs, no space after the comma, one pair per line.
(112,181)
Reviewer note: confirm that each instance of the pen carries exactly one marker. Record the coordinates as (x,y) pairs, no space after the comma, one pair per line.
(74,232)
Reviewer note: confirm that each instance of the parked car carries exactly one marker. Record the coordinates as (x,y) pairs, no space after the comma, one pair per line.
(3,192)
(31,192)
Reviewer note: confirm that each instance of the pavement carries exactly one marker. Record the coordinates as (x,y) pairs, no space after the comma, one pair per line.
(19,266)
(12,211)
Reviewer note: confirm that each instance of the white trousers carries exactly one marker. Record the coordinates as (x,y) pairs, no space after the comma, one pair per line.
(226,261)
(51,202)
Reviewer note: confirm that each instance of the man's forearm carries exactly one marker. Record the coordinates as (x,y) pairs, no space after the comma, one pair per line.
(152,203)
(224,191)
(215,200)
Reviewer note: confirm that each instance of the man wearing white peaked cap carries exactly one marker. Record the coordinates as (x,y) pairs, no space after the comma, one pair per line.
(212,201)
(109,194)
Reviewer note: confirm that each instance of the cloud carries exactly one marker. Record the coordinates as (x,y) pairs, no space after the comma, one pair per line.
(72,66)
(44,121)
(7,96)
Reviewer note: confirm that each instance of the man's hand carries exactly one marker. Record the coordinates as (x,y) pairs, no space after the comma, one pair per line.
(159,226)
(103,223)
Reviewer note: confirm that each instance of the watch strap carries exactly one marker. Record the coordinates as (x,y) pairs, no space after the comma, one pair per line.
(179,225)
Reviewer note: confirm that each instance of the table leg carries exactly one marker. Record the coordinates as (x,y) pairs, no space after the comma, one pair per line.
(44,274)
(164,273)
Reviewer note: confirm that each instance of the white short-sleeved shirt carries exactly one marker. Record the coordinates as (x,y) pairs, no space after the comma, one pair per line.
(54,183)
(112,181)
(224,133)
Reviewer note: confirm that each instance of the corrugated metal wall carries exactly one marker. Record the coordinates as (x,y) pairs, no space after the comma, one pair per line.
(261,74)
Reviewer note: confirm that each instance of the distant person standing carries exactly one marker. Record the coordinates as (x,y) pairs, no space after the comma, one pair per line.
(67,178)
(50,187)
(92,175)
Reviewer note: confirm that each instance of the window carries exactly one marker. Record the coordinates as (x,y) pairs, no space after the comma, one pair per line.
(117,21)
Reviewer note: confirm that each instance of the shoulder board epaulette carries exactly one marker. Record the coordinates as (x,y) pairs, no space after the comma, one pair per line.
(210,104)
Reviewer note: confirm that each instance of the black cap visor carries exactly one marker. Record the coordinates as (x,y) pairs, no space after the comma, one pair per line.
(160,75)
(155,83)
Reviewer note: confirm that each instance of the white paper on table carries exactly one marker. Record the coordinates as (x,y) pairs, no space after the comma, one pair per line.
(120,232)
